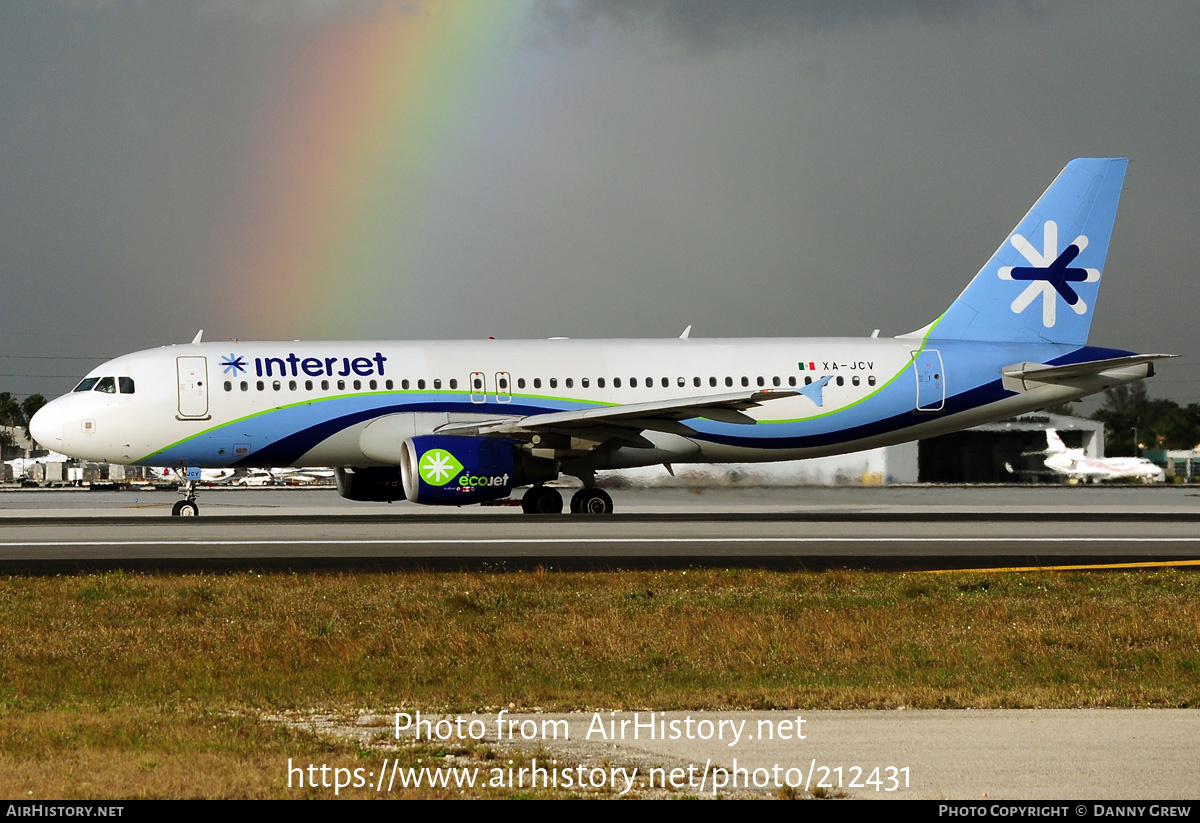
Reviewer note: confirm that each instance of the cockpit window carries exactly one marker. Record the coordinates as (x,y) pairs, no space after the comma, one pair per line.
(106,385)
(87,383)
(126,384)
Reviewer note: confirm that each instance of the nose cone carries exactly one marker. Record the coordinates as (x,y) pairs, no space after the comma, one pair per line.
(46,426)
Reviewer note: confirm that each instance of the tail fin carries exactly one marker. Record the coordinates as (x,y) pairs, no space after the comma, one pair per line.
(1054,443)
(1041,284)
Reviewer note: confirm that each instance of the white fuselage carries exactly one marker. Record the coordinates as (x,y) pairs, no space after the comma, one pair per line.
(311,403)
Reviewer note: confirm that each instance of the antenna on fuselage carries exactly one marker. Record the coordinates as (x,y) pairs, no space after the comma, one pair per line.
(686,333)
(196,339)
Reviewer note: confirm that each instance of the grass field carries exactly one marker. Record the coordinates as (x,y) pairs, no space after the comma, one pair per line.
(137,685)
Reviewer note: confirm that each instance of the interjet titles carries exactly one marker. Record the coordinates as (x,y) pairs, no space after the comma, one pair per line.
(295,366)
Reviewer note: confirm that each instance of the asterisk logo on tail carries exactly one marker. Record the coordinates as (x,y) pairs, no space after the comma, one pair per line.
(1049,274)
(437,466)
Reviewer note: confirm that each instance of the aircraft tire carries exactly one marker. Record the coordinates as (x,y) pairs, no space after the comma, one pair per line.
(185,508)
(540,500)
(591,501)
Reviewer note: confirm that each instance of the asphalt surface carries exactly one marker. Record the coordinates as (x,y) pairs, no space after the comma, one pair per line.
(908,528)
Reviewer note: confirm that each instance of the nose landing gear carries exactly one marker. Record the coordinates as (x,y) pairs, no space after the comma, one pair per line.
(187,506)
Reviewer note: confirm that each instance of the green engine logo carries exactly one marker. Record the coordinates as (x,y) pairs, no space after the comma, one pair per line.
(438,467)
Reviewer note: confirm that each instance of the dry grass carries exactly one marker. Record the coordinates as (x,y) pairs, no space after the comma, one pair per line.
(679,639)
(137,685)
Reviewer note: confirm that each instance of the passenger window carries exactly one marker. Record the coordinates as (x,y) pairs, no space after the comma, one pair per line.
(357,385)
(600,382)
(666,383)
(728,381)
(633,382)
(276,386)
(228,386)
(616,382)
(324,385)
(504,384)
(106,385)
(792,380)
(389,385)
(712,381)
(454,382)
(554,382)
(437,383)
(871,380)
(841,381)
(291,385)
(696,382)
(308,385)
(126,385)
(583,381)
(537,382)
(520,382)
(775,381)
(745,381)
(569,383)
(421,383)
(808,381)
(245,386)
(374,385)
(259,385)
(87,383)
(761,382)
(341,384)
(854,380)
(404,384)
(649,382)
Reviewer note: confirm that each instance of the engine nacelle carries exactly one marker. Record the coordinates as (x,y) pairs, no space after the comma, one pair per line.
(457,471)
(373,485)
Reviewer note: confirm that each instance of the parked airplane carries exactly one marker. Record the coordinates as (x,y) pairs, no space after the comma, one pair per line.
(460,422)
(1075,465)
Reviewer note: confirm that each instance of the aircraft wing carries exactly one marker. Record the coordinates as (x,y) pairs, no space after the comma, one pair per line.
(625,422)
(1020,375)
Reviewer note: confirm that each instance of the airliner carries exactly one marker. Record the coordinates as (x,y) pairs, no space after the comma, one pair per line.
(1075,465)
(460,422)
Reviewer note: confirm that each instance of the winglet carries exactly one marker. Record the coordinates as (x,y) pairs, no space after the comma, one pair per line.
(813,390)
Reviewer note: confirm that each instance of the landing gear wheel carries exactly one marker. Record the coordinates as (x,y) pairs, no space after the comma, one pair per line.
(541,500)
(591,501)
(185,508)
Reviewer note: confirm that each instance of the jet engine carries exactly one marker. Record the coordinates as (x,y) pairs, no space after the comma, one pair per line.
(457,471)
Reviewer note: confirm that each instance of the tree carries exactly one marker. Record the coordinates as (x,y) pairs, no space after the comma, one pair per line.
(1158,423)
(29,407)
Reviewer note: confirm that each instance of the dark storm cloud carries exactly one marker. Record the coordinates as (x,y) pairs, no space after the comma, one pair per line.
(707,24)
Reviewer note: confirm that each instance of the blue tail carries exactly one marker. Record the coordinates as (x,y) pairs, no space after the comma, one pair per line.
(1041,284)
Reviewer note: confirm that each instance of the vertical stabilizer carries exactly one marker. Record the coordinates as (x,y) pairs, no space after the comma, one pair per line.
(1041,284)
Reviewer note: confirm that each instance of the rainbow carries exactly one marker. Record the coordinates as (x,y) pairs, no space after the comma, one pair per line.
(376,110)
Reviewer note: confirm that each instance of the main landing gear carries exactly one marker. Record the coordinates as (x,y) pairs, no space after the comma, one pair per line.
(591,501)
(187,506)
(541,500)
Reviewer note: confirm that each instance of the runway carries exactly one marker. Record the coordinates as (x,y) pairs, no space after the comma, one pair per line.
(912,528)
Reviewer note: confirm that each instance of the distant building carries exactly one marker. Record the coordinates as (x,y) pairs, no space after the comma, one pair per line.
(1007,451)
(1182,464)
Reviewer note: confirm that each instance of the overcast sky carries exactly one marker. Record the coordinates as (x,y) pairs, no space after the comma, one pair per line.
(369,169)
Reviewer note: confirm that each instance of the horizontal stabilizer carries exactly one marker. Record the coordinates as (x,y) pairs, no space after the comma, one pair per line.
(1018,376)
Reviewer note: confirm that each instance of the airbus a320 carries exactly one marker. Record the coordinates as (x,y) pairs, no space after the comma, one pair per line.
(464,422)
